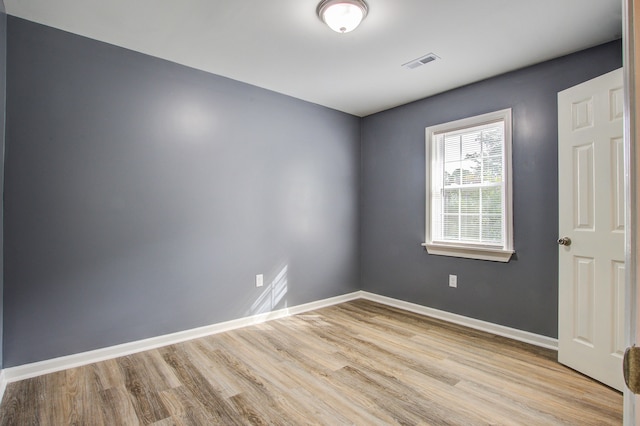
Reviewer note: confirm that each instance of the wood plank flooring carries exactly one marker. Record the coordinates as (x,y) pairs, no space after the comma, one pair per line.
(356,363)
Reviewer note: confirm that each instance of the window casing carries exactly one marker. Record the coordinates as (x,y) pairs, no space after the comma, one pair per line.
(469,198)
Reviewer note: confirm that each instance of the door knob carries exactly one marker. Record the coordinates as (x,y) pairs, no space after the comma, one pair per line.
(564,241)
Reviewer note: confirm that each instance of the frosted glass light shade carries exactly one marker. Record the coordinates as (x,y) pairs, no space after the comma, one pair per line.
(342,16)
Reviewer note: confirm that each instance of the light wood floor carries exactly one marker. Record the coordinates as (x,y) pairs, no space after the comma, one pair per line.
(356,363)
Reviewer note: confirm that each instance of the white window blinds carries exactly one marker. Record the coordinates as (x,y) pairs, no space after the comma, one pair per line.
(469,189)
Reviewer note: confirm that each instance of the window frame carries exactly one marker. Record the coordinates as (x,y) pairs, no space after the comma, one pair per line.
(472,250)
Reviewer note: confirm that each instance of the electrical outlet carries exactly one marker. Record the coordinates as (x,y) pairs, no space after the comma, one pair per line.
(259,280)
(453,281)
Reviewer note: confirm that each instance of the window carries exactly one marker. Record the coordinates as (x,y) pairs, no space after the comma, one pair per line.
(469,208)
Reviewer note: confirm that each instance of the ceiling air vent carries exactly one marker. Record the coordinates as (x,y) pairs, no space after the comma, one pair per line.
(420,61)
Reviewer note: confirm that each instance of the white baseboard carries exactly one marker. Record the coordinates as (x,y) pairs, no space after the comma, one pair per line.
(3,383)
(21,372)
(500,330)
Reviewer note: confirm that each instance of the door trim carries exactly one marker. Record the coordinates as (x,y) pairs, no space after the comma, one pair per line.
(631,189)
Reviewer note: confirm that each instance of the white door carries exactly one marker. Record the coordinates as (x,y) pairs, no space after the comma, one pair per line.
(592,217)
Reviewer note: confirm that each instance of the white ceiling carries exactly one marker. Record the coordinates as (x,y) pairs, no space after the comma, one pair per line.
(281,45)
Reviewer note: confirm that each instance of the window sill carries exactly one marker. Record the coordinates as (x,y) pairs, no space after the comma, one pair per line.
(467,252)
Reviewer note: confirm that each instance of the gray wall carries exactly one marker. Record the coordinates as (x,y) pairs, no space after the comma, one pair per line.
(3,77)
(523,293)
(142,197)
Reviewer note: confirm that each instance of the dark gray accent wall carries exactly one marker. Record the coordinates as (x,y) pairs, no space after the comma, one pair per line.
(142,197)
(3,77)
(523,293)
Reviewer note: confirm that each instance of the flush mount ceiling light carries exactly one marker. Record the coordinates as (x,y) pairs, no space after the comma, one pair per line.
(342,16)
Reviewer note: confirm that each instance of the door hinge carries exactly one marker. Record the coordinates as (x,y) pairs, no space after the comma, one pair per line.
(631,368)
